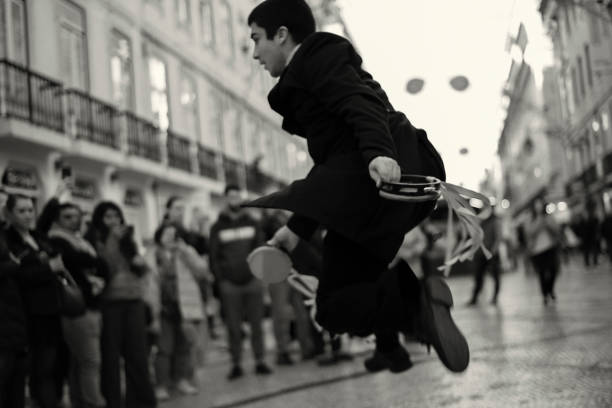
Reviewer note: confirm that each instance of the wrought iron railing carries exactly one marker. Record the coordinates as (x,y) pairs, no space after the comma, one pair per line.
(207,162)
(234,171)
(30,96)
(179,155)
(142,138)
(94,120)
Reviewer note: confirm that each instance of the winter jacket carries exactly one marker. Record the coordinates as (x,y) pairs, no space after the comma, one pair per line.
(232,238)
(81,260)
(325,96)
(13,329)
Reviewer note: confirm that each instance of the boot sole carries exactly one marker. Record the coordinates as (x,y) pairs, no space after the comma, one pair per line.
(446,338)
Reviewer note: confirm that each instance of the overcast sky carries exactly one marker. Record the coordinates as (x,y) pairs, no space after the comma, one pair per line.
(436,40)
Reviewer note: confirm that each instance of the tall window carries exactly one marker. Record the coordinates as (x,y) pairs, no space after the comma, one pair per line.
(189,105)
(18,20)
(3,45)
(215,118)
(121,71)
(226,32)
(575,87)
(159,92)
(73,46)
(183,13)
(238,135)
(589,68)
(594,25)
(581,77)
(207,23)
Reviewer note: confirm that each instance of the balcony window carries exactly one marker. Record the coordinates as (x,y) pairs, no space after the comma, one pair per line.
(189,106)
(215,119)
(159,92)
(183,13)
(18,32)
(207,24)
(73,46)
(226,32)
(581,77)
(589,68)
(121,71)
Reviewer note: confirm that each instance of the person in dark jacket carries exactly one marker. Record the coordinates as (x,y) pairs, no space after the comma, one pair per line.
(492,235)
(232,237)
(82,333)
(37,261)
(13,329)
(357,140)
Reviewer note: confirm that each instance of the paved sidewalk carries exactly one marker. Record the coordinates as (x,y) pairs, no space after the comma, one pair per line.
(523,354)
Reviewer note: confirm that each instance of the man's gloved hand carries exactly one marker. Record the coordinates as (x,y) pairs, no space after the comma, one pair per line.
(385,169)
(284,238)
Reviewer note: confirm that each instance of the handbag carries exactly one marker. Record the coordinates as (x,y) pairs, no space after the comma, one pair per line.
(72,302)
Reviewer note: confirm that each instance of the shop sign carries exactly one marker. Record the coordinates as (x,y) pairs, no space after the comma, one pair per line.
(84,188)
(19,177)
(133,198)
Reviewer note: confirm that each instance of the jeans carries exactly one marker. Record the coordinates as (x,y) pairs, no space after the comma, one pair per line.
(13,368)
(124,334)
(82,334)
(242,301)
(176,343)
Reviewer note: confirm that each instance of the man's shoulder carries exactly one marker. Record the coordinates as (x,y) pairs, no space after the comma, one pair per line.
(323,45)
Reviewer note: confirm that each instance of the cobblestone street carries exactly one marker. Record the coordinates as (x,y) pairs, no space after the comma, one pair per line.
(523,353)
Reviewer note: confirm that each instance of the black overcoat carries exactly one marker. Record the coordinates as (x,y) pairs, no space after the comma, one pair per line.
(325,96)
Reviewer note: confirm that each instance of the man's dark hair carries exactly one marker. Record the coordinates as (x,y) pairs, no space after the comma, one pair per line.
(296,15)
(231,187)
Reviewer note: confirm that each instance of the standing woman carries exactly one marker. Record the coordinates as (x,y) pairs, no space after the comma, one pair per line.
(81,333)
(544,245)
(40,296)
(124,314)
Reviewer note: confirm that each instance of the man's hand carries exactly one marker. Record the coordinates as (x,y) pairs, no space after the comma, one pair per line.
(385,169)
(284,238)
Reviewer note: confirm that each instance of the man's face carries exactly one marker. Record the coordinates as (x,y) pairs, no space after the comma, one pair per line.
(234,199)
(268,51)
(70,219)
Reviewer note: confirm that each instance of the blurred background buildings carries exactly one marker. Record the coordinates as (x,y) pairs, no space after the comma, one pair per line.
(556,141)
(142,99)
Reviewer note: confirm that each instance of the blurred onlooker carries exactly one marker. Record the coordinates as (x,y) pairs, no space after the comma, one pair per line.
(233,236)
(82,333)
(590,236)
(492,238)
(544,239)
(13,324)
(176,266)
(124,313)
(37,261)
(606,232)
(3,198)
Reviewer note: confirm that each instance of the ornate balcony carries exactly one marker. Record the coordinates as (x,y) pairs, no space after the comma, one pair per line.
(142,138)
(179,155)
(91,119)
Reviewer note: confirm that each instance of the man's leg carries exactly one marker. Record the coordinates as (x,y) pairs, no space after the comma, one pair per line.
(495,269)
(233,310)
(302,323)
(254,309)
(480,267)
(110,344)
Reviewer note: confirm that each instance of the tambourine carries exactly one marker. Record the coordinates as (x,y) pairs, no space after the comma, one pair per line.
(411,188)
(269,263)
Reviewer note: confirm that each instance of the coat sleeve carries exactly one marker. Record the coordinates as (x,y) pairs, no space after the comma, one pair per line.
(331,74)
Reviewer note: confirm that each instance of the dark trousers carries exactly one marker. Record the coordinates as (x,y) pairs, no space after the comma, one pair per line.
(546,265)
(481,266)
(43,370)
(244,302)
(124,335)
(13,368)
(590,252)
(358,294)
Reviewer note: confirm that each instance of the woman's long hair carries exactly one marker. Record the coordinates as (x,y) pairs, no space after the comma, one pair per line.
(98,231)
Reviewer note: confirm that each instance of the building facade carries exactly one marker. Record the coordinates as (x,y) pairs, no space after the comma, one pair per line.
(142,99)
(581,33)
(526,152)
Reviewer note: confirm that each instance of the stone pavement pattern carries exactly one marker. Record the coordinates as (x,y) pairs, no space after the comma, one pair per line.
(523,354)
